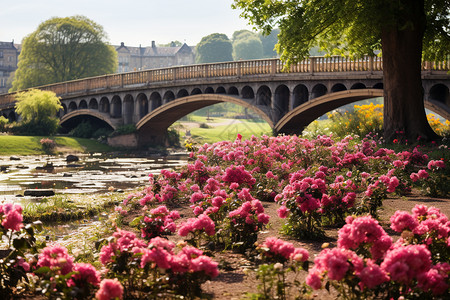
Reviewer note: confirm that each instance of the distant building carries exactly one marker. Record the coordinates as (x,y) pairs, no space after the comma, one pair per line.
(8,64)
(143,58)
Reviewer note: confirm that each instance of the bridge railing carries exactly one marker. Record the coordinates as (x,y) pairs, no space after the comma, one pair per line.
(315,64)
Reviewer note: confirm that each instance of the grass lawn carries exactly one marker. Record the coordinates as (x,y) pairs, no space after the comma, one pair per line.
(30,145)
(246,128)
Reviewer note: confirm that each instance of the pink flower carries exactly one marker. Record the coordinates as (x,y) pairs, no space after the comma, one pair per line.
(205,264)
(12,216)
(56,258)
(435,280)
(402,220)
(422,174)
(372,275)
(110,289)
(283,212)
(84,273)
(314,280)
(403,263)
(336,263)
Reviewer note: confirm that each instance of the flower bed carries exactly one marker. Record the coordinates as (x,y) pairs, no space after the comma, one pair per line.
(317,184)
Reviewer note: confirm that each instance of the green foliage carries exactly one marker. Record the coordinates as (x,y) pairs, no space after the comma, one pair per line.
(64,49)
(215,47)
(246,45)
(3,122)
(13,266)
(339,27)
(83,130)
(269,42)
(124,129)
(38,112)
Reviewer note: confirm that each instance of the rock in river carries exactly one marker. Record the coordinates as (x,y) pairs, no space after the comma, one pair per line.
(39,192)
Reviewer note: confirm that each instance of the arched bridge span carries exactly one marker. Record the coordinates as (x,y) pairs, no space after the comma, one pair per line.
(287,100)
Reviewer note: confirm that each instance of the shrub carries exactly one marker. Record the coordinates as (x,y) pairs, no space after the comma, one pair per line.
(48,145)
(3,123)
(83,130)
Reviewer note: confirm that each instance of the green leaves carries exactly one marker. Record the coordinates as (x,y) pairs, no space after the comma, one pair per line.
(64,49)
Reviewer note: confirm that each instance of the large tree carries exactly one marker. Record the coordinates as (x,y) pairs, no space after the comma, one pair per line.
(246,45)
(64,49)
(215,47)
(404,30)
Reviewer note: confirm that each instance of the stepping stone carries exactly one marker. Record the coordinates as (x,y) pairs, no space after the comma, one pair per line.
(39,192)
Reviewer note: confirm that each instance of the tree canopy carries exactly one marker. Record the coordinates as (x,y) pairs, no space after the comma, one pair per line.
(269,42)
(64,49)
(400,29)
(215,47)
(38,111)
(246,45)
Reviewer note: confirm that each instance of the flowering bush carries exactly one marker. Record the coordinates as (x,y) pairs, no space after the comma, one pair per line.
(157,222)
(150,269)
(366,264)
(279,258)
(60,277)
(48,145)
(20,242)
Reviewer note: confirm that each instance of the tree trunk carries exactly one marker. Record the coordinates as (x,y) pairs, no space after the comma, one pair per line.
(404,111)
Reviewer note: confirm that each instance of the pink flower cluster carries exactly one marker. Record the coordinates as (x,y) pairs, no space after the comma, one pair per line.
(400,263)
(159,221)
(110,289)
(427,223)
(202,223)
(124,241)
(84,274)
(364,232)
(251,212)
(279,250)
(56,258)
(11,216)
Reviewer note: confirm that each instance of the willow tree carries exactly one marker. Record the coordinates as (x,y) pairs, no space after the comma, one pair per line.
(404,30)
(64,49)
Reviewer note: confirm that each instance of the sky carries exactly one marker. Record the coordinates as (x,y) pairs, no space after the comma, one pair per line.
(134,22)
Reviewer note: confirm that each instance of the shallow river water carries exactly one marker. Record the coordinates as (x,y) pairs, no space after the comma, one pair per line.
(91,174)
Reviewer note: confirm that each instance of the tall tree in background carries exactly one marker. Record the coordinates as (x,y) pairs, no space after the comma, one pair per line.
(64,49)
(246,45)
(405,30)
(269,42)
(215,47)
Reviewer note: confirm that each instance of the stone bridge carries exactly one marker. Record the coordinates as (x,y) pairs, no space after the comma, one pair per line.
(287,99)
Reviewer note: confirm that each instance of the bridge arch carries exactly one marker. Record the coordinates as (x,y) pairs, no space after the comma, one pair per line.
(318,90)
(155,123)
(116,107)
(298,118)
(281,100)
(358,86)
(168,96)
(440,93)
(155,99)
(128,109)
(142,105)
(83,104)
(93,104)
(72,118)
(338,87)
(233,91)
(300,95)
(209,90)
(104,105)
(264,96)
(221,90)
(72,106)
(196,91)
(378,85)
(247,92)
(182,93)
